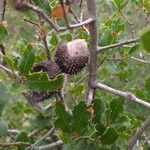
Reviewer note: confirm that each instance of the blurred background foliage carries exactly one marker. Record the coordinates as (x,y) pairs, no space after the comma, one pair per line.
(115,120)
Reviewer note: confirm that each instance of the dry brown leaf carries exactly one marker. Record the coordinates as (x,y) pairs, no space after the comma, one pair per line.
(42,32)
(88,26)
(53,103)
(5,23)
(90,110)
(57,12)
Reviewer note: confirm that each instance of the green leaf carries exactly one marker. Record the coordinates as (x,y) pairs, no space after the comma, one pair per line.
(54,39)
(10,63)
(84,145)
(106,38)
(122,123)
(21,44)
(3,128)
(134,48)
(80,117)
(41,82)
(42,121)
(145,39)
(3,32)
(64,119)
(78,90)
(139,93)
(99,108)
(67,36)
(88,131)
(4,97)
(22,137)
(117,108)
(27,60)
(109,136)
(147,86)
(146,4)
(120,4)
(45,5)
(117,25)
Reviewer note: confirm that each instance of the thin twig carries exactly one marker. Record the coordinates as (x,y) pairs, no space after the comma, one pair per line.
(79,21)
(31,22)
(141,60)
(126,95)
(138,134)
(51,132)
(14,144)
(39,11)
(131,24)
(91,4)
(13,132)
(2,9)
(46,48)
(9,72)
(64,13)
(33,133)
(125,42)
(64,85)
(38,106)
(51,146)
(81,2)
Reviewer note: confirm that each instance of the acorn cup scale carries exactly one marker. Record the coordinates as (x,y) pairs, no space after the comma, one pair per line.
(72,57)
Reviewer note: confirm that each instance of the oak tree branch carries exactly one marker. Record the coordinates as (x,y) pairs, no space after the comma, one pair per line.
(39,11)
(126,95)
(139,132)
(91,4)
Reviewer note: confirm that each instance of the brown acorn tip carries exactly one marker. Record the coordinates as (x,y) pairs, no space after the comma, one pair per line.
(72,57)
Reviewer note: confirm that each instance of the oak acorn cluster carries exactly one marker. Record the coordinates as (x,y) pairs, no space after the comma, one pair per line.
(72,57)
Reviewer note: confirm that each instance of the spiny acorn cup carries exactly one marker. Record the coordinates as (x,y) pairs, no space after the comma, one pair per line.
(72,57)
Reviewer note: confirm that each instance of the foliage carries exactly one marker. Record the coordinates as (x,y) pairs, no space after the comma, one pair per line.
(110,122)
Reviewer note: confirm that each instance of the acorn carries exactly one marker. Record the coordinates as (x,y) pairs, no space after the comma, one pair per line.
(72,57)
